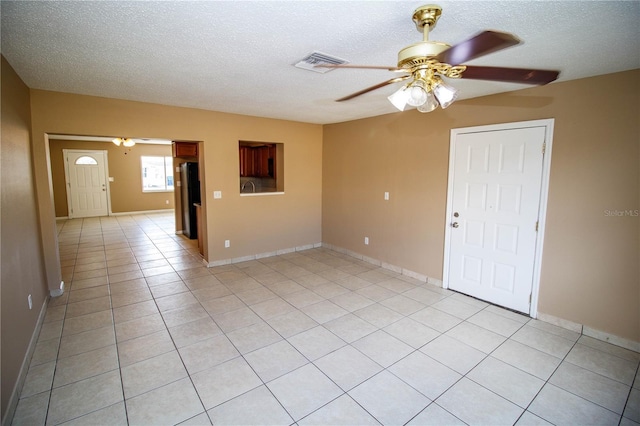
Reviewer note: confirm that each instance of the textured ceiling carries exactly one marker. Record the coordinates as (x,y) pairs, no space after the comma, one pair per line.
(237,56)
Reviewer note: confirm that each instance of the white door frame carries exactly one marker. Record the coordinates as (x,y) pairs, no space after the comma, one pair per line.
(67,181)
(544,192)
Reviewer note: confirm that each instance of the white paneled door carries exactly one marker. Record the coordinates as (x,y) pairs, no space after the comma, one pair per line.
(86,179)
(493,214)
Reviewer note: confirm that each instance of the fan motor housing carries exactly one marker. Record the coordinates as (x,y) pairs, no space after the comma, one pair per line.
(421,50)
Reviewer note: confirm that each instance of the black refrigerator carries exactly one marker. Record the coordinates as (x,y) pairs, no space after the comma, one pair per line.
(190,187)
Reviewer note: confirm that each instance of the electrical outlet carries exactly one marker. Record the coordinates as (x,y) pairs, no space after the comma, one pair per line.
(386,196)
(166,201)
(227,243)
(217,194)
(30,301)
(366,241)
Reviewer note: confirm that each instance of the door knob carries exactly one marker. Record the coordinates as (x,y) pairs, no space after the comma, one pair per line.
(455,224)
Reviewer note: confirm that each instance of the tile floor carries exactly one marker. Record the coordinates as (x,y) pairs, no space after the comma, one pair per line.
(146,335)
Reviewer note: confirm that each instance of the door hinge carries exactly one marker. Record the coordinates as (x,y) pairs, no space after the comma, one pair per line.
(537,223)
(530,294)
(544,147)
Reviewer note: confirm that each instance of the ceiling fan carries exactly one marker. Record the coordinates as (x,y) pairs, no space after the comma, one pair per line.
(426,62)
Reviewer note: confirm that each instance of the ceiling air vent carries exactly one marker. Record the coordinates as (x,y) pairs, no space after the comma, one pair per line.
(310,61)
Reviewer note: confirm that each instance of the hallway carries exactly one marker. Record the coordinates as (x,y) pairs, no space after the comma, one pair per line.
(145,334)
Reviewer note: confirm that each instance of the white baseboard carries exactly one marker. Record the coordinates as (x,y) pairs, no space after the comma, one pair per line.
(24,368)
(142,212)
(223,262)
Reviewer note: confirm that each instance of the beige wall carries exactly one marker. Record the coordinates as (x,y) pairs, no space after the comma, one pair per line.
(590,271)
(253,224)
(22,258)
(124,166)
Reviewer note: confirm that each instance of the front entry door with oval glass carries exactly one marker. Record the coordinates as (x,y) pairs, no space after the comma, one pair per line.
(493,211)
(86,183)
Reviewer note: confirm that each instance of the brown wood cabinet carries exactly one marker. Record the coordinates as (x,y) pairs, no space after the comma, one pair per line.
(185,149)
(257,161)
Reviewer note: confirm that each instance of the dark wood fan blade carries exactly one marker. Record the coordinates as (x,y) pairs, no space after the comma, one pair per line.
(377,86)
(480,45)
(366,67)
(510,75)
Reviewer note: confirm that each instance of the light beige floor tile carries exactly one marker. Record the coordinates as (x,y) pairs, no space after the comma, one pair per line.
(258,406)
(45,351)
(475,404)
(130,297)
(168,289)
(126,286)
(145,347)
(225,382)
(136,310)
(476,336)
(412,332)
(128,267)
(453,353)
(233,320)
(152,373)
(316,342)
(618,351)
(88,307)
(389,399)
(31,410)
(507,381)
(83,397)
(529,419)
(396,284)
(199,420)
(532,361)
(456,308)
(272,308)
(169,404)
(112,415)
(212,291)
(554,329)
(558,406)
(275,360)
(593,387)
(292,323)
(303,298)
(496,323)
(207,353)
(39,379)
(424,374)
(139,327)
(347,367)
(603,363)
(632,409)
(89,282)
(425,296)
(329,290)
(223,304)
(375,292)
(86,341)
(383,348)
(543,341)
(195,331)
(378,315)
(341,411)
(169,277)
(187,314)
(85,365)
(469,300)
(350,327)
(304,390)
(402,304)
(253,337)
(50,330)
(124,276)
(351,301)
(87,322)
(324,311)
(434,415)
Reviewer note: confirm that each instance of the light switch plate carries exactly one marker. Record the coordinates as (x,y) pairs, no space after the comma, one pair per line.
(217,194)
(386,196)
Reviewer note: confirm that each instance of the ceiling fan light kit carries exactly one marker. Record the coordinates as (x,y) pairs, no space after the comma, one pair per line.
(426,62)
(126,142)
